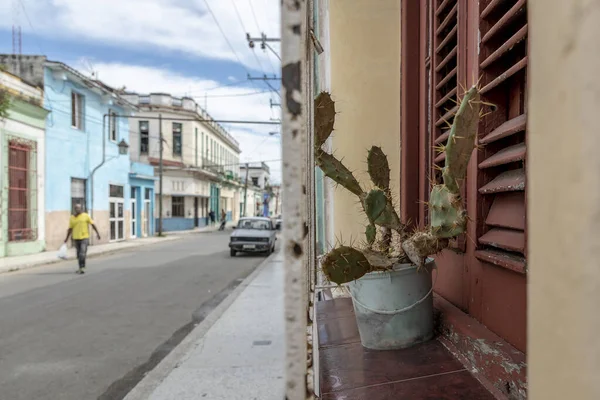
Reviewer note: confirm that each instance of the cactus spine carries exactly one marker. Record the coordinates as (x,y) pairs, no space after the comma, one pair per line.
(448,216)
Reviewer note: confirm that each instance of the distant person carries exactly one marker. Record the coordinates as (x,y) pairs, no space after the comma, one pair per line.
(79,227)
(211,214)
(223,220)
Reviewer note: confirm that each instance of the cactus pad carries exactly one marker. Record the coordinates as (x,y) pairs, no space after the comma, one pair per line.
(324,118)
(345,264)
(379,169)
(422,244)
(371,234)
(447,213)
(335,170)
(375,204)
(461,140)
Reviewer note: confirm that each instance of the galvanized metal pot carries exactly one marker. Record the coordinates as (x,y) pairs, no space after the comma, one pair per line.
(394,309)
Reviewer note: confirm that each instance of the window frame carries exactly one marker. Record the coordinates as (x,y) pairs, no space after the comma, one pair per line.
(113,130)
(177,148)
(145,133)
(77,110)
(178,210)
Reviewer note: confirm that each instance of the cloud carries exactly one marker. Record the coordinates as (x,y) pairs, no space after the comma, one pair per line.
(181,25)
(230,102)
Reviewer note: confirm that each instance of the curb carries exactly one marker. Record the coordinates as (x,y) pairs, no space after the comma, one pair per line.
(107,252)
(144,389)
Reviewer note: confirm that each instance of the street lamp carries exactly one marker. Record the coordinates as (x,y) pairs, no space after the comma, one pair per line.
(273,133)
(123,146)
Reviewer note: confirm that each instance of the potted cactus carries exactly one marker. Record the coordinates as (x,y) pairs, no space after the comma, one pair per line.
(390,274)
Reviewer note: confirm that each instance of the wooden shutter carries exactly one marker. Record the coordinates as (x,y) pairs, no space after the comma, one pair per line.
(449,48)
(503,62)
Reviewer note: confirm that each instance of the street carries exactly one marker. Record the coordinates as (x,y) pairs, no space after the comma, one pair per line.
(65,336)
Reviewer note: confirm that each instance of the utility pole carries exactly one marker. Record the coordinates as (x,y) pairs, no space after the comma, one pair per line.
(274,104)
(160,175)
(266,80)
(246,188)
(264,43)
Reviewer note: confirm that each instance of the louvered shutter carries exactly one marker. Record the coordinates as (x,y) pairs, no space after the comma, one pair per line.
(503,62)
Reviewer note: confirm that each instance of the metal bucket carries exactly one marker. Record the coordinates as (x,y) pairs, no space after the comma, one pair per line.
(394,309)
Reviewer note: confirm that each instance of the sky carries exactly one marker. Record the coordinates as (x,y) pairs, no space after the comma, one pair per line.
(194,48)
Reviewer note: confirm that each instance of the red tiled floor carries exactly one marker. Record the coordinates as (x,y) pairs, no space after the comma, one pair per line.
(351,372)
(452,386)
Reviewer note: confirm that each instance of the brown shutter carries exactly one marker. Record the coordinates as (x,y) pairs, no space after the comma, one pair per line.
(449,50)
(503,62)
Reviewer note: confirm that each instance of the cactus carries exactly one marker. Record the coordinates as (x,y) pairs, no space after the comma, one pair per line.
(378,169)
(345,264)
(448,216)
(324,118)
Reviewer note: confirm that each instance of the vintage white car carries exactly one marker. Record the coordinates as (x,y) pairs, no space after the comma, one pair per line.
(253,235)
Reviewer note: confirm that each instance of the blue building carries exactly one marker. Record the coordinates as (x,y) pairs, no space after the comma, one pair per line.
(87,132)
(141,182)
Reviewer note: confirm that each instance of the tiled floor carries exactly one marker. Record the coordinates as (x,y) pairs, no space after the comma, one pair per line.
(351,372)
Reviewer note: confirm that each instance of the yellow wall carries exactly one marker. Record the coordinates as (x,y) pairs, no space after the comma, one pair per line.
(365,84)
(563,201)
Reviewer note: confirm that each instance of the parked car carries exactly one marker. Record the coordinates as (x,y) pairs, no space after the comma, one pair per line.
(278,222)
(253,235)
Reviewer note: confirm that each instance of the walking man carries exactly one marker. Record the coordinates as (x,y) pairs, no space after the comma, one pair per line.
(79,227)
(223,220)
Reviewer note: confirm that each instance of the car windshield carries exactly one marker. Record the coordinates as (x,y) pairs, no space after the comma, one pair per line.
(254,224)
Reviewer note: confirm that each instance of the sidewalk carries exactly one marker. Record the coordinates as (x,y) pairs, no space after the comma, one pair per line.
(9,264)
(236,353)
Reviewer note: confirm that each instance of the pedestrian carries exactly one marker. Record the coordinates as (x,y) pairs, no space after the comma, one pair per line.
(79,228)
(223,219)
(211,214)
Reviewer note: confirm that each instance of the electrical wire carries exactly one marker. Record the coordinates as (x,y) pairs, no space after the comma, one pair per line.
(259,30)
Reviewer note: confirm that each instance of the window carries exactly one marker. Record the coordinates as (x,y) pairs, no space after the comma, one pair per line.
(177,206)
(77,105)
(112,126)
(202,144)
(147,193)
(78,192)
(116,191)
(196,143)
(20,187)
(176,139)
(255,181)
(144,137)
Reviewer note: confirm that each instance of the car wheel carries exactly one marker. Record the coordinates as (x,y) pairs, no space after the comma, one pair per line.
(232,252)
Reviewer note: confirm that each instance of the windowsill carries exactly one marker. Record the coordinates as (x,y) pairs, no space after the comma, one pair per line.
(77,129)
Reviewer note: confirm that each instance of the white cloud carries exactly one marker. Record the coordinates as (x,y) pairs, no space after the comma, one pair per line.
(180,25)
(223,103)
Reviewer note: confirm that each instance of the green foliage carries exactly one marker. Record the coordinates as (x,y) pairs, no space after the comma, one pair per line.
(345,264)
(4,103)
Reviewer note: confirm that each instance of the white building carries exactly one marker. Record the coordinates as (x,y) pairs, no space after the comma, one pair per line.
(200,159)
(22,155)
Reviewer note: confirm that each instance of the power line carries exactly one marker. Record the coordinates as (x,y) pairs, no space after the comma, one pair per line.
(244,29)
(258,27)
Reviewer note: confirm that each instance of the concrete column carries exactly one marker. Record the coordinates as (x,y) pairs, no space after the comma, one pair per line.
(564,200)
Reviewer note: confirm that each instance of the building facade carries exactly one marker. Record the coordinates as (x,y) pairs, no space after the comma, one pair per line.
(258,194)
(22,163)
(200,160)
(84,165)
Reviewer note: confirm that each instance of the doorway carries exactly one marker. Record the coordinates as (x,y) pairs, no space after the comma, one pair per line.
(116,217)
(147,213)
(134,212)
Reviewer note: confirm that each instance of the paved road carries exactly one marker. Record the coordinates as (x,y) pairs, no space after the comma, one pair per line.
(70,337)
